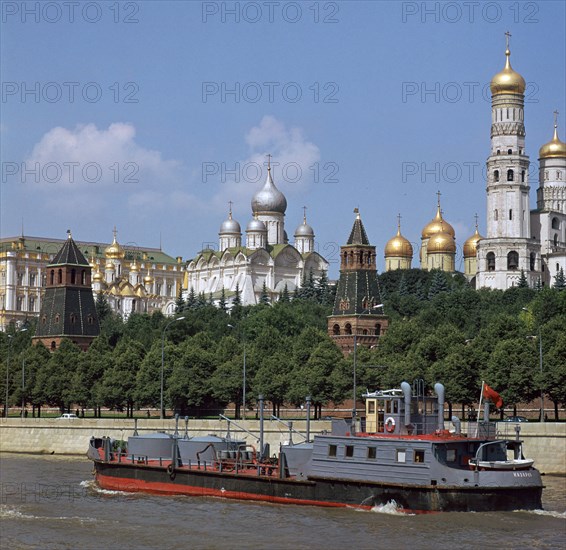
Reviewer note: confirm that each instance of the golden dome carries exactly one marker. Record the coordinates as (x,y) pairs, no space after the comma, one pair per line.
(398,246)
(97,276)
(554,148)
(441,243)
(148,279)
(438,225)
(507,81)
(109,266)
(134,266)
(471,244)
(114,251)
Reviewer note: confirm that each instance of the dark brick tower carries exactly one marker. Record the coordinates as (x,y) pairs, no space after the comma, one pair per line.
(355,316)
(67,308)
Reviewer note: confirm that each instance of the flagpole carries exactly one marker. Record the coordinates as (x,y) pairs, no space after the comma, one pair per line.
(479,411)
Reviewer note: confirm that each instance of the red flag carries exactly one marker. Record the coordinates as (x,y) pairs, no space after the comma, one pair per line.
(490,393)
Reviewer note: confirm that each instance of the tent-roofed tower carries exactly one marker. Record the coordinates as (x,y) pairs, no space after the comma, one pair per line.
(67,309)
(354,320)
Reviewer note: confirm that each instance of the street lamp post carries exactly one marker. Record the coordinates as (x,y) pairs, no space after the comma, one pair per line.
(163,360)
(23,385)
(354,410)
(243,340)
(540,368)
(10,336)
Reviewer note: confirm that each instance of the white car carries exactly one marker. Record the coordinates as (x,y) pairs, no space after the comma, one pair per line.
(68,416)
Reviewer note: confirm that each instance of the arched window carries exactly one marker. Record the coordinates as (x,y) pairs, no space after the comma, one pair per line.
(557,267)
(57,318)
(509,151)
(60,276)
(510,213)
(512,260)
(498,152)
(348,328)
(83,277)
(555,223)
(73,276)
(490,259)
(510,175)
(365,331)
(52,277)
(377,329)
(523,176)
(496,175)
(532,261)
(336,329)
(555,240)
(496,215)
(53,344)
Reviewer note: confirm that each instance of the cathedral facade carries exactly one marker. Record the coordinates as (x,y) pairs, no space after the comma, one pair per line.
(266,262)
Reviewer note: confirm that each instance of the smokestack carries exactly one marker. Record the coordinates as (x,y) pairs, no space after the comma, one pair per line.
(439,389)
(457,425)
(407,393)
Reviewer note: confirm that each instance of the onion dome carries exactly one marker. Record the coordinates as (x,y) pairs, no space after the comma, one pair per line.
(441,243)
(110,266)
(134,266)
(269,198)
(230,226)
(398,246)
(554,148)
(114,251)
(256,225)
(471,244)
(507,81)
(438,225)
(304,230)
(97,276)
(148,279)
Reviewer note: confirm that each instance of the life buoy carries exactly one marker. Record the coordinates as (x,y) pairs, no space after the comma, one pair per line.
(390,424)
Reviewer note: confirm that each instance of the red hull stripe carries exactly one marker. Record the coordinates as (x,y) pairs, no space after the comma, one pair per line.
(161,488)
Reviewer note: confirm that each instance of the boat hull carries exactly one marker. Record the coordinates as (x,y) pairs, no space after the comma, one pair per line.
(319,492)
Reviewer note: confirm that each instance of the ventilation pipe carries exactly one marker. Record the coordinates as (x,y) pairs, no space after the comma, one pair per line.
(407,393)
(439,389)
(457,425)
(260,406)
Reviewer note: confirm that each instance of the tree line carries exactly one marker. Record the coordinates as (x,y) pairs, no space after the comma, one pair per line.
(440,330)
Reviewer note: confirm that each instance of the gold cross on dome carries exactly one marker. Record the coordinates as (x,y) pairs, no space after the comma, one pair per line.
(507,36)
(268,161)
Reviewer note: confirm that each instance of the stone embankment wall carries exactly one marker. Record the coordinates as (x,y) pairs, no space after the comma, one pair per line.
(545,442)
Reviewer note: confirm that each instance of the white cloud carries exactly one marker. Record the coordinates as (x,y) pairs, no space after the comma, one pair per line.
(293,160)
(87,155)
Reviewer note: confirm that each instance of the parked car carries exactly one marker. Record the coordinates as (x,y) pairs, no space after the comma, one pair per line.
(68,416)
(515,419)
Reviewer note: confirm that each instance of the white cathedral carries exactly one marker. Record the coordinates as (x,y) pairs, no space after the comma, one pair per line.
(267,261)
(520,239)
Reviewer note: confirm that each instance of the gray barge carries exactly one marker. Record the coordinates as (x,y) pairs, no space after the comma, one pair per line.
(402,454)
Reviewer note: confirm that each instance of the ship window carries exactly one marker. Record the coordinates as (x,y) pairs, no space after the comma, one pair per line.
(419,456)
(332,450)
(401,455)
(371,407)
(450,455)
(395,407)
(372,453)
(349,452)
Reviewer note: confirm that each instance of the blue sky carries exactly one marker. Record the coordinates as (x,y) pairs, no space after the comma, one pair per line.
(151,116)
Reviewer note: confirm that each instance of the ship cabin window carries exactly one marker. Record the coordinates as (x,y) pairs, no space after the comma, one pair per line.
(371,406)
(450,455)
(332,450)
(418,456)
(392,406)
(372,453)
(401,455)
(349,451)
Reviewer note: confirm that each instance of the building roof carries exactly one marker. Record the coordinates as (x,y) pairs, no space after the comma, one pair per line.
(358,234)
(69,254)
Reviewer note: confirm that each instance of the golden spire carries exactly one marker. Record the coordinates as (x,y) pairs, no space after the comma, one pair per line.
(507,81)
(554,148)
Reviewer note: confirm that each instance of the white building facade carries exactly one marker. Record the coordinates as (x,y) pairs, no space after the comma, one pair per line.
(267,262)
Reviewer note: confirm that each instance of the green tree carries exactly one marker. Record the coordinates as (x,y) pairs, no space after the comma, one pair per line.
(102,307)
(264,298)
(222,302)
(438,284)
(284,297)
(523,283)
(559,280)
(179,302)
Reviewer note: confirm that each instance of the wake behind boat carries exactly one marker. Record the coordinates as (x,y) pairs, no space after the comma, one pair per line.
(402,453)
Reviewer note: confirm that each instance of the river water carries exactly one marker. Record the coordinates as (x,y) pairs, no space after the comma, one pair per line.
(50,502)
